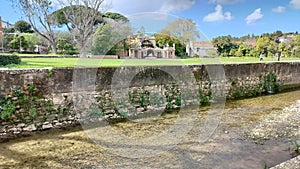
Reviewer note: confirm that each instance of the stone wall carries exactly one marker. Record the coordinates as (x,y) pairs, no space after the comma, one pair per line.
(38,99)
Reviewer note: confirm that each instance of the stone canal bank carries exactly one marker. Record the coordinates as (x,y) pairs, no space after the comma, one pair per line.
(252,133)
(39,99)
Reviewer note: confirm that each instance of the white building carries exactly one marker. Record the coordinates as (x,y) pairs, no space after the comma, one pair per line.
(202,49)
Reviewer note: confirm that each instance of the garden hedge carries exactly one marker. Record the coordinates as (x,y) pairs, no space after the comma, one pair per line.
(9,59)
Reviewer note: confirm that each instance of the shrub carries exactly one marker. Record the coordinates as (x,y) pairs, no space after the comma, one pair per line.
(271,83)
(9,59)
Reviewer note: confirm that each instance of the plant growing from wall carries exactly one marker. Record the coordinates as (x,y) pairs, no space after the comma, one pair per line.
(7,110)
(271,84)
(49,73)
(22,103)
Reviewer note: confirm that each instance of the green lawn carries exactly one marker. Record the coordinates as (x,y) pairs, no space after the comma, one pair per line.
(72,62)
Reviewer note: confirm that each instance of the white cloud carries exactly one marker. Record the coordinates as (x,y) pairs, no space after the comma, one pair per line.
(224,1)
(254,16)
(169,6)
(139,6)
(279,9)
(218,15)
(295,3)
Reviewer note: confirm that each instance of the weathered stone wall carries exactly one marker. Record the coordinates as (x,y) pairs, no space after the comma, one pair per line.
(59,80)
(150,89)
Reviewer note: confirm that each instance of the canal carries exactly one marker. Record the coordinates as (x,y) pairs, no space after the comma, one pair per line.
(251,133)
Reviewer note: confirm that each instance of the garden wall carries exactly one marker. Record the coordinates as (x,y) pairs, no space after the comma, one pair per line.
(37,99)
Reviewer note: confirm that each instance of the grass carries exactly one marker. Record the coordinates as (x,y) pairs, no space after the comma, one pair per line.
(73,62)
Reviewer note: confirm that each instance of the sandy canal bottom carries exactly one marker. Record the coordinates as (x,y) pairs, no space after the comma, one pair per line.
(250,133)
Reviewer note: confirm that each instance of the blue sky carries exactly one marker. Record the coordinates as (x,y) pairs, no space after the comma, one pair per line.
(213,17)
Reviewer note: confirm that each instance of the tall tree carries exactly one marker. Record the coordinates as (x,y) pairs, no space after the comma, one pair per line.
(224,45)
(31,39)
(115,16)
(18,43)
(23,27)
(37,13)
(82,17)
(262,44)
(110,36)
(184,29)
(295,46)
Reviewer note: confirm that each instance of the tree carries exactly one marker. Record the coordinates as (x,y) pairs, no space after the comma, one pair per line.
(109,37)
(262,44)
(115,16)
(81,18)
(272,48)
(224,45)
(9,30)
(18,43)
(295,46)
(37,13)
(31,39)
(64,46)
(162,40)
(183,29)
(23,27)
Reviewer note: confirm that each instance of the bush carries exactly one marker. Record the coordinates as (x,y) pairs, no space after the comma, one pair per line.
(9,59)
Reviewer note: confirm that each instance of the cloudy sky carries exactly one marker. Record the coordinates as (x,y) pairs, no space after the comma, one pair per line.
(213,17)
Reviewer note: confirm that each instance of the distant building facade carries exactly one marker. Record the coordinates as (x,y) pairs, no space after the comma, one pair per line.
(285,39)
(146,48)
(201,49)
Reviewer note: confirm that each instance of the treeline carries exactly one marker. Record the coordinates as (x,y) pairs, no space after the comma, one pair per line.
(267,44)
(23,39)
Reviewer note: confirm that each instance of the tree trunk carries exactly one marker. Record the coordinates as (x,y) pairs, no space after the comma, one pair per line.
(82,53)
(54,50)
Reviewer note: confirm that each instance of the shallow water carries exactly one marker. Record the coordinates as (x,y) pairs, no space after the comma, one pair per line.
(173,140)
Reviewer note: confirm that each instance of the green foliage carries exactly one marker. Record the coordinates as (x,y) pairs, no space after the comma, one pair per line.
(31,89)
(49,73)
(18,42)
(163,39)
(294,46)
(7,110)
(224,45)
(239,93)
(156,100)
(115,16)
(21,103)
(31,39)
(65,47)
(9,30)
(204,97)
(23,27)
(270,83)
(94,112)
(178,101)
(61,16)
(9,59)
(296,147)
(33,112)
(242,50)
(109,37)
